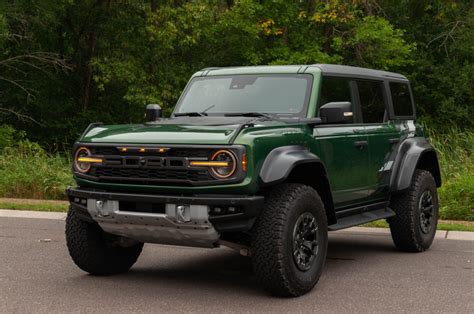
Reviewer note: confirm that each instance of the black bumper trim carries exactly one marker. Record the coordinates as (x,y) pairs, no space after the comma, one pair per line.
(250,205)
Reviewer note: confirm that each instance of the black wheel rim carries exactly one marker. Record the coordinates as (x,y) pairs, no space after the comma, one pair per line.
(305,241)
(426,207)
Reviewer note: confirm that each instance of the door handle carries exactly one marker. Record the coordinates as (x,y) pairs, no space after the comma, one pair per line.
(393,140)
(360,144)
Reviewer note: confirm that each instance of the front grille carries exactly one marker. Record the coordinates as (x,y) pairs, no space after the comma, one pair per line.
(149,174)
(151,166)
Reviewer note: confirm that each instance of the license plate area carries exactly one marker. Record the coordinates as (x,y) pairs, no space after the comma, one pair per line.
(142,207)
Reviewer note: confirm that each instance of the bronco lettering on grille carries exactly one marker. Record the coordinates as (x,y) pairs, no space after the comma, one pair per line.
(145,161)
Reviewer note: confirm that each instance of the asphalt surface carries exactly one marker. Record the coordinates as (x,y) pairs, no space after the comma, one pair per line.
(363,273)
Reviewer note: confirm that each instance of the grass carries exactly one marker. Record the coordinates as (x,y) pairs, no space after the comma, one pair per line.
(28,171)
(455,155)
(449,225)
(35,205)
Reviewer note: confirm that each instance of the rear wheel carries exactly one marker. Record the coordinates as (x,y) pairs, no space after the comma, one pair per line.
(98,252)
(290,240)
(414,226)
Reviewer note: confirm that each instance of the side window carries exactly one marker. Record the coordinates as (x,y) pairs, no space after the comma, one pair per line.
(372,101)
(401,99)
(335,89)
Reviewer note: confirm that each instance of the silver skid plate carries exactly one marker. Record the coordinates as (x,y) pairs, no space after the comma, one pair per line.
(186,225)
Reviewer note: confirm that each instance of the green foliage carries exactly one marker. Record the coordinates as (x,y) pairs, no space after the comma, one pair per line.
(36,205)
(377,44)
(456,158)
(125,54)
(442,74)
(27,171)
(9,136)
(3,29)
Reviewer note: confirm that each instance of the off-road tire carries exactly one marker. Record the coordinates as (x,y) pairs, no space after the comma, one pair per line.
(92,251)
(272,240)
(405,226)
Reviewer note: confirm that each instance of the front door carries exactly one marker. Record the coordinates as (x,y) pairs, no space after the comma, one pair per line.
(343,147)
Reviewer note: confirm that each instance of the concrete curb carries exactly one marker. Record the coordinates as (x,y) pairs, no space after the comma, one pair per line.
(440,234)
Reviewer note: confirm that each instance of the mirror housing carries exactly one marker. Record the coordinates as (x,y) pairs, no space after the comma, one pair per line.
(152,112)
(337,112)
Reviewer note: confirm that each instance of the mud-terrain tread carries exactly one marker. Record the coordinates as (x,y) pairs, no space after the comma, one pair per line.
(267,249)
(403,226)
(89,250)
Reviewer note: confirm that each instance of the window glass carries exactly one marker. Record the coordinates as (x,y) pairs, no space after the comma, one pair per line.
(278,94)
(371,101)
(334,90)
(401,99)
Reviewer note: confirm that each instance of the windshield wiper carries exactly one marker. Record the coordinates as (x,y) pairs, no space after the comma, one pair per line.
(194,113)
(190,114)
(250,114)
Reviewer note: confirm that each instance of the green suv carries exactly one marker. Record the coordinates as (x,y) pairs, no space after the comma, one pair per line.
(265,160)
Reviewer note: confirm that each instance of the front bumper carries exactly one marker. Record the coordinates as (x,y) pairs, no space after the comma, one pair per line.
(166,219)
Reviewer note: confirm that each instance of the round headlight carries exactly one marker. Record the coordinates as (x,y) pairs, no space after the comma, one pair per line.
(82,167)
(224,171)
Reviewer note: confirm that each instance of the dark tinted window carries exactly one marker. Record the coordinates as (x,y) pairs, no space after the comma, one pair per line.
(335,89)
(401,99)
(371,101)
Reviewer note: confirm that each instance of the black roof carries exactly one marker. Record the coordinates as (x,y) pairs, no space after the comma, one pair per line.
(326,69)
(346,70)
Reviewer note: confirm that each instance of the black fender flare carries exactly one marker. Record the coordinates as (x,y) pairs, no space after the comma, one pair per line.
(410,152)
(280,161)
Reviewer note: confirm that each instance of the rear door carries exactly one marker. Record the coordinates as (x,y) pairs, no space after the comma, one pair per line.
(343,147)
(382,135)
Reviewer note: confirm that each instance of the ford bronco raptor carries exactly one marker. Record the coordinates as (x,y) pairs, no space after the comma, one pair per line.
(263,159)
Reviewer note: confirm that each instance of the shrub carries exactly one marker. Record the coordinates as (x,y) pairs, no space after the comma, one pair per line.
(28,171)
(455,155)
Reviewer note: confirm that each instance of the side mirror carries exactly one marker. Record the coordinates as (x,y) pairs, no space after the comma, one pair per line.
(152,112)
(336,112)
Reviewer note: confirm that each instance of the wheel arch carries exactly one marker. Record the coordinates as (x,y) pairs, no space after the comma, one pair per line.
(293,164)
(414,153)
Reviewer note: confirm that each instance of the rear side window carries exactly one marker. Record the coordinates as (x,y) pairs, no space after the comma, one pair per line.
(372,101)
(334,90)
(401,99)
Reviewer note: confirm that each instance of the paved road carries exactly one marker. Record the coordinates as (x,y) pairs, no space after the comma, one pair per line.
(363,273)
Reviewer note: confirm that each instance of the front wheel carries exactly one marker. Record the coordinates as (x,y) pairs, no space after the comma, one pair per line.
(290,239)
(414,226)
(98,252)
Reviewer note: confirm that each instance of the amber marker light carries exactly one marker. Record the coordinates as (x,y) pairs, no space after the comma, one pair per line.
(141,150)
(244,162)
(161,150)
(124,149)
(209,163)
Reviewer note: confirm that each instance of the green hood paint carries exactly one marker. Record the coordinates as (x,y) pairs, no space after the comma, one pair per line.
(173,131)
(160,134)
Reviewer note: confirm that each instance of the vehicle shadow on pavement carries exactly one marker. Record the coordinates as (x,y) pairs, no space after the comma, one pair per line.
(219,270)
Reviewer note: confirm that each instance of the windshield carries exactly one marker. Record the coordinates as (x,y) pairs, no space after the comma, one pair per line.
(276,94)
